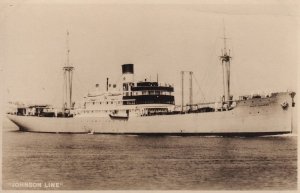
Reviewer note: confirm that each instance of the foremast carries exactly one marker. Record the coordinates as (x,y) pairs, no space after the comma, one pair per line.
(68,76)
(225,59)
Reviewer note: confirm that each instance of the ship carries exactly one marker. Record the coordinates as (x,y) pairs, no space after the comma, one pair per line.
(148,108)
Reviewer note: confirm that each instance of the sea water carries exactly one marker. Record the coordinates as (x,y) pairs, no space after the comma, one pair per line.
(127,162)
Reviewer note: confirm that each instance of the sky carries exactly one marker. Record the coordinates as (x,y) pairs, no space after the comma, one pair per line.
(158,37)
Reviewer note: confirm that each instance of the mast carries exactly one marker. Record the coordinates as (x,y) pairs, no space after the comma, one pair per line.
(68,76)
(106,84)
(226,58)
(182,90)
(191,88)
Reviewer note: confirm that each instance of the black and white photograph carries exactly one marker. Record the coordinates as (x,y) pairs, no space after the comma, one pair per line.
(188,95)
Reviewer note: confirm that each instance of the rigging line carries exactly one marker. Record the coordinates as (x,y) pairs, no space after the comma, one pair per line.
(54,96)
(234,75)
(199,88)
(200,101)
(213,86)
(80,87)
(207,67)
(234,81)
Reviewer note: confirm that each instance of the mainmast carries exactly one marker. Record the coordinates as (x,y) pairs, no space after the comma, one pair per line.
(68,76)
(225,58)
